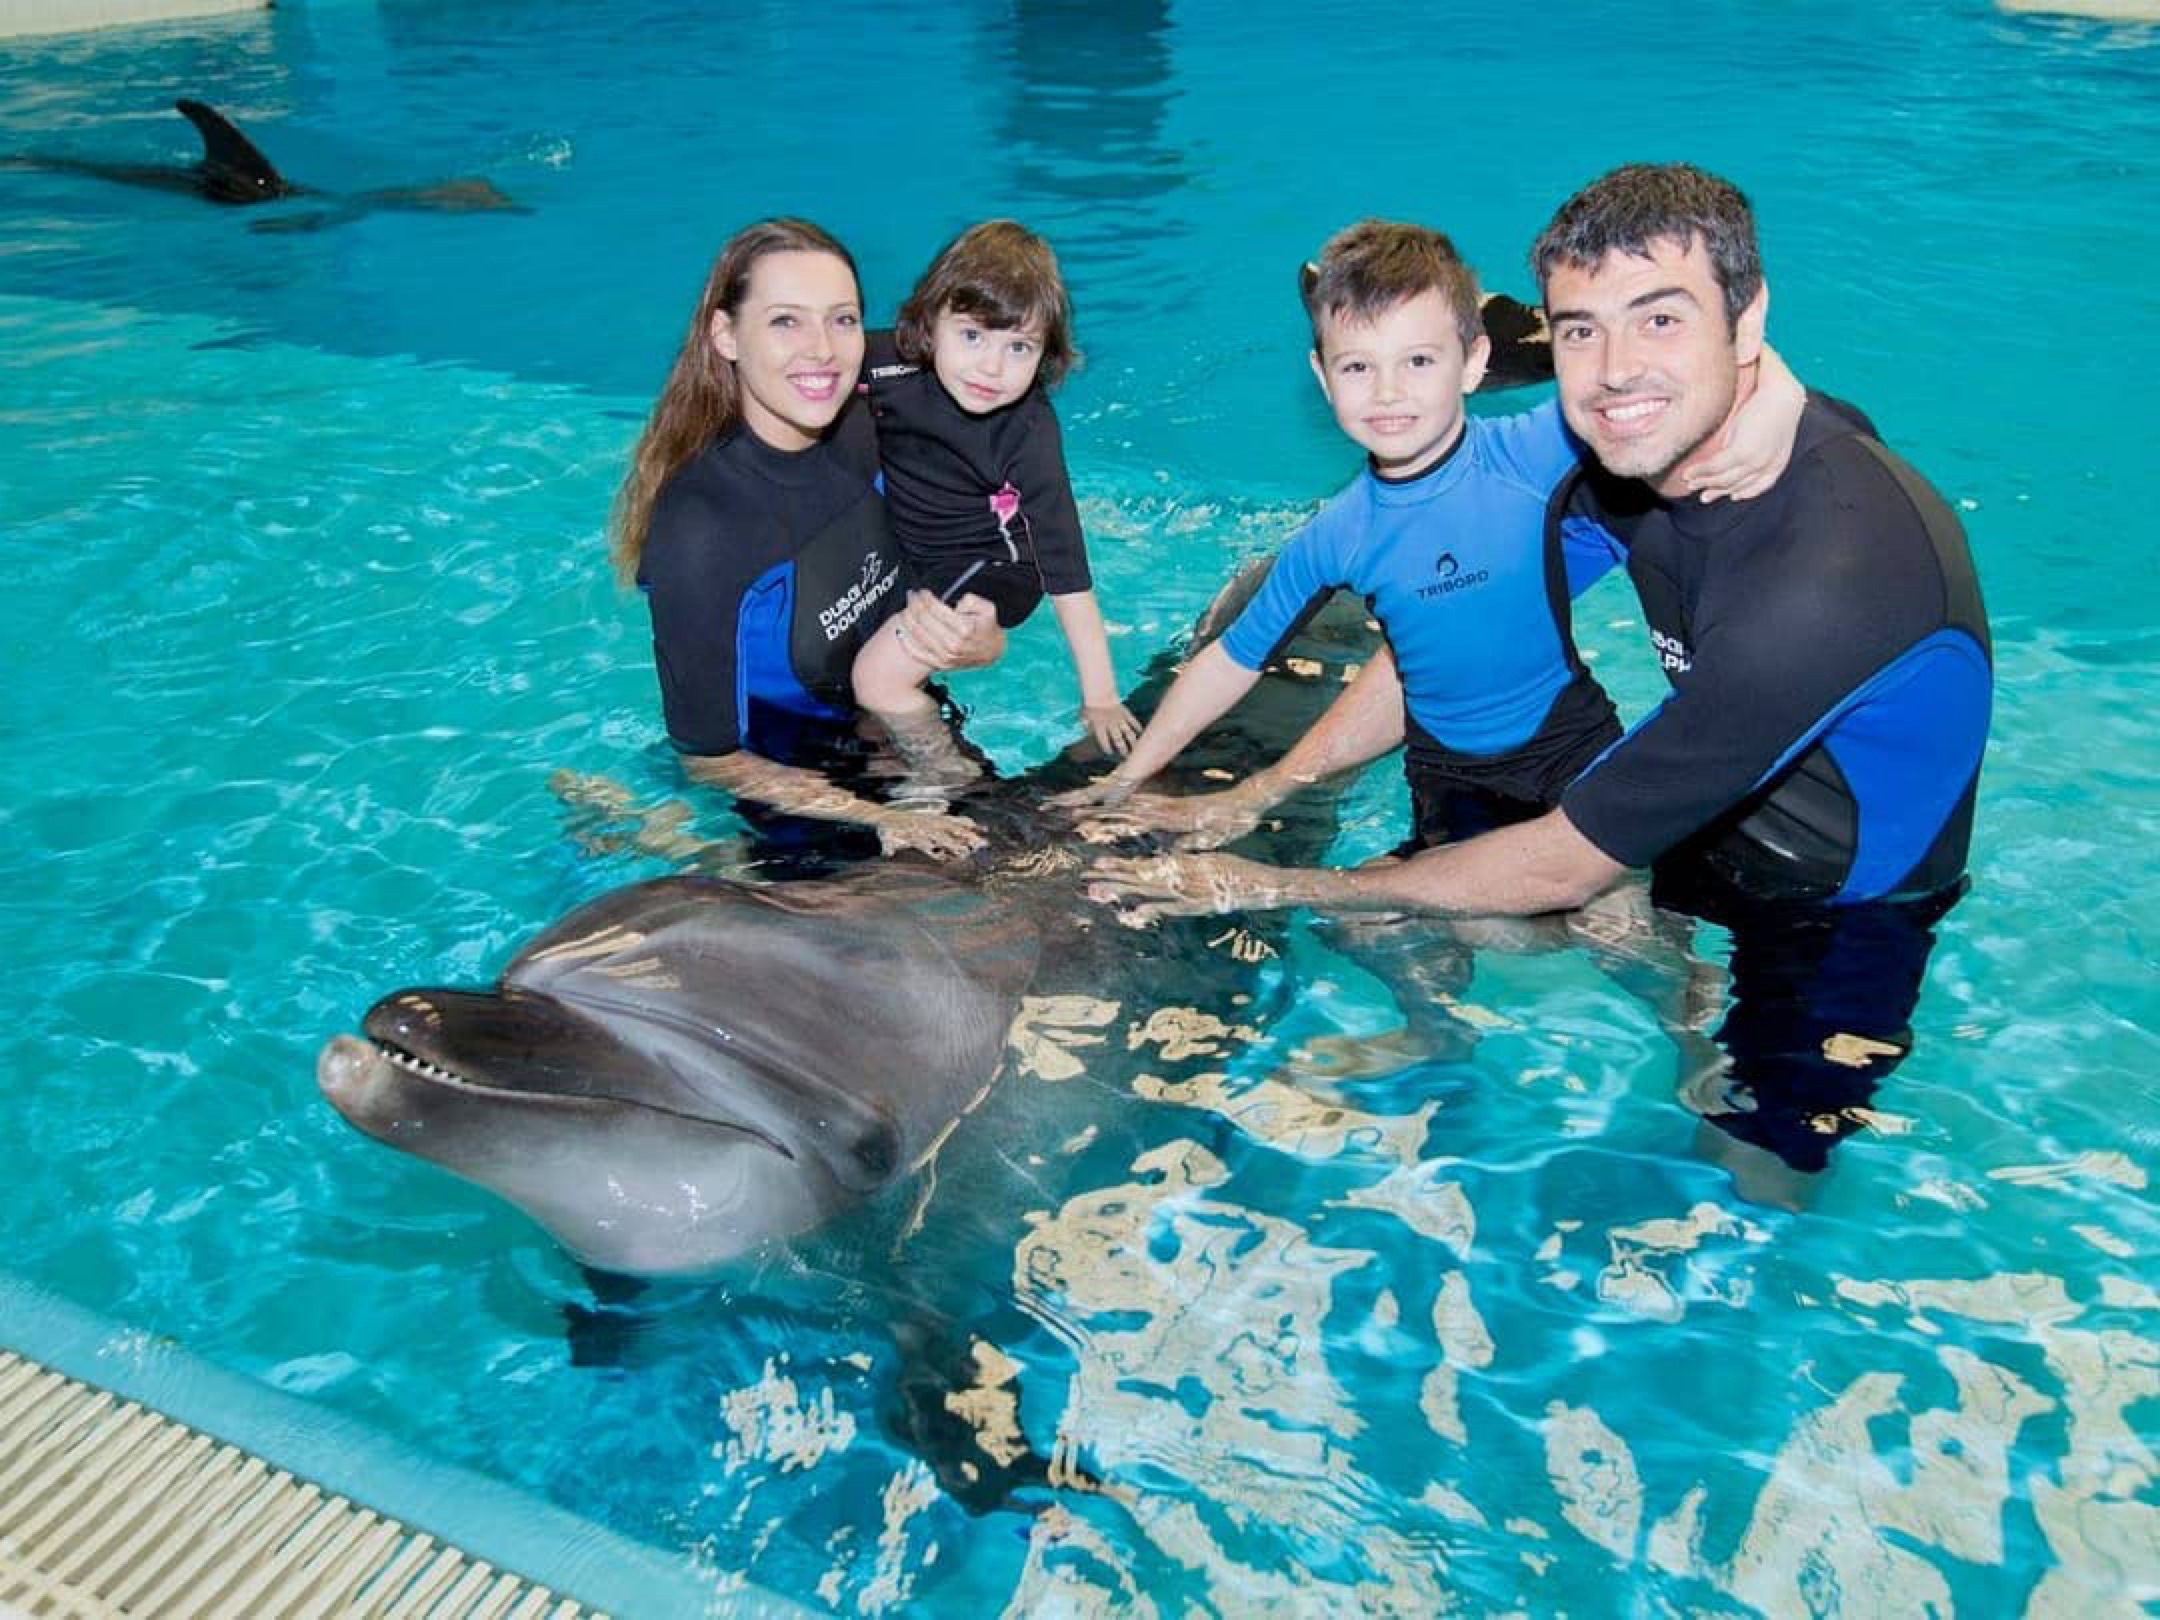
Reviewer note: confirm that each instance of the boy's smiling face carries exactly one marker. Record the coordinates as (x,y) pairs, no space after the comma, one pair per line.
(1397,382)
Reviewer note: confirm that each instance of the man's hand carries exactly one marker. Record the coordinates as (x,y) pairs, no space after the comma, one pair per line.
(1181,886)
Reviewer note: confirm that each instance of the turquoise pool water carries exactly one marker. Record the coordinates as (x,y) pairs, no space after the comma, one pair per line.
(306,601)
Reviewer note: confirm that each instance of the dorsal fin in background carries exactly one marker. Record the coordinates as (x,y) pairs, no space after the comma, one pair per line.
(233,170)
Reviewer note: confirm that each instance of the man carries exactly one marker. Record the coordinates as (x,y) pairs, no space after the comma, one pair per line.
(1809,781)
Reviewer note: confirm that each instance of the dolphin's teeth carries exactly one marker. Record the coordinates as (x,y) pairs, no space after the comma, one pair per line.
(415,1064)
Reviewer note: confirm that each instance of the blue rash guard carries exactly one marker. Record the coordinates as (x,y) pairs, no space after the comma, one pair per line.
(1455,565)
(1831,680)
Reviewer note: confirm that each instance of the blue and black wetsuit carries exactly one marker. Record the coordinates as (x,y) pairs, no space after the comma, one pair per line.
(1500,713)
(766,571)
(1809,780)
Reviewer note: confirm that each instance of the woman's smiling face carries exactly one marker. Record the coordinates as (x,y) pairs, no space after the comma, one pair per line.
(796,345)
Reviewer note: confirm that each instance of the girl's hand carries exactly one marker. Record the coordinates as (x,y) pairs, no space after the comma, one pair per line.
(1754,451)
(1111,725)
(939,836)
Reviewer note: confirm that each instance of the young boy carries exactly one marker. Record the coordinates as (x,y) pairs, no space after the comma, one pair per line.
(1444,534)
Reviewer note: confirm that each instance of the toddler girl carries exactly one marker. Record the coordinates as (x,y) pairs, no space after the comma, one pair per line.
(975,485)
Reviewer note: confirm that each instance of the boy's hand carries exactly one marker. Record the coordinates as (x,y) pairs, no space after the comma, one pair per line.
(1754,449)
(1196,820)
(1111,725)
(1110,788)
(1740,470)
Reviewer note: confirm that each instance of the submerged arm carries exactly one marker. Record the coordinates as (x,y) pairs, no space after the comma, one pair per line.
(1534,866)
(1358,727)
(808,793)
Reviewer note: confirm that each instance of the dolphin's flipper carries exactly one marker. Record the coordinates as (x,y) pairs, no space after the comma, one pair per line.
(233,170)
(604,1333)
(954,1401)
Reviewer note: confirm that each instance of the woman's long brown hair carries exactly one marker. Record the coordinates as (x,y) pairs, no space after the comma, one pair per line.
(702,399)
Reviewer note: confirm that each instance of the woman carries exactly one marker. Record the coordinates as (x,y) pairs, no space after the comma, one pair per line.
(751,519)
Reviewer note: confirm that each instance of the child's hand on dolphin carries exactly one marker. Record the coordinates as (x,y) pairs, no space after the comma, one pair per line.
(1111,725)
(1197,821)
(1196,885)
(940,836)
(1112,787)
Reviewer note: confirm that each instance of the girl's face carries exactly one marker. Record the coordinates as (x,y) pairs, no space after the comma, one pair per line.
(796,345)
(984,368)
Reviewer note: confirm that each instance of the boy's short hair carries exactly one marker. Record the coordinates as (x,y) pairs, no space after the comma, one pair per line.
(1368,268)
(1641,203)
(1003,275)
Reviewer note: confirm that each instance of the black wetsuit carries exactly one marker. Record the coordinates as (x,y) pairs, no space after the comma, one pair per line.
(1809,781)
(979,504)
(766,571)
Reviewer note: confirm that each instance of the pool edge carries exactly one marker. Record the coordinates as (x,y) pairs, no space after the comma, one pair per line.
(574,1558)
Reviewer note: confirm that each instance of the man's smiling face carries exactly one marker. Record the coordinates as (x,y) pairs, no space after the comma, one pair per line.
(1648,364)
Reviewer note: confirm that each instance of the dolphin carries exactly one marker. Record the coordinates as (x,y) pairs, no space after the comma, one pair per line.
(233,170)
(687,1068)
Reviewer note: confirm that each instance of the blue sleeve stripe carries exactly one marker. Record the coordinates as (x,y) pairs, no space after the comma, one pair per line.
(1907,740)
(1910,743)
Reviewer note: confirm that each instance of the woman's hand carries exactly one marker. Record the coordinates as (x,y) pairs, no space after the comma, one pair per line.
(940,836)
(1111,725)
(951,635)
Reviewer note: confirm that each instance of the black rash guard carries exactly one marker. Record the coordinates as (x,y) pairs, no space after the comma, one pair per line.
(766,570)
(1831,679)
(964,490)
